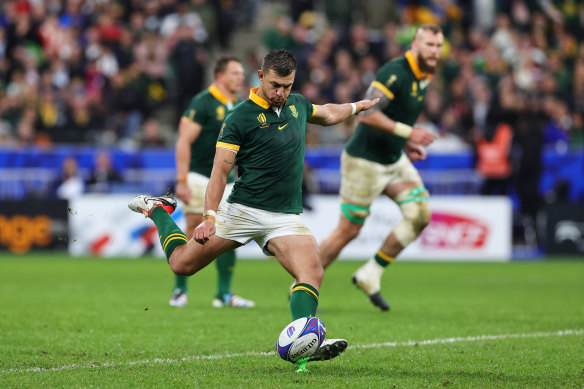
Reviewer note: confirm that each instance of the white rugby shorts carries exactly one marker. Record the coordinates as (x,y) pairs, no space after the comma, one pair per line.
(198,185)
(242,224)
(362,181)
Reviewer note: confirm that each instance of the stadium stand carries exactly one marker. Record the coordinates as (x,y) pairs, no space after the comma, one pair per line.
(77,76)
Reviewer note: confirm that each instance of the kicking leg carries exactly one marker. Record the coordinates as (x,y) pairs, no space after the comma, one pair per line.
(184,258)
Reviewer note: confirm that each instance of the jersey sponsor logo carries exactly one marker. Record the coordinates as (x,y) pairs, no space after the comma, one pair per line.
(294,113)
(192,113)
(449,231)
(262,118)
(282,127)
(221,131)
(220,113)
(391,80)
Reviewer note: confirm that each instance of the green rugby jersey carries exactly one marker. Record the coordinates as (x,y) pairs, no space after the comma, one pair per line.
(402,81)
(270,152)
(208,109)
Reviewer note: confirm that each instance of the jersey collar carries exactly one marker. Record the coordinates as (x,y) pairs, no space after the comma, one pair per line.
(415,68)
(218,95)
(258,100)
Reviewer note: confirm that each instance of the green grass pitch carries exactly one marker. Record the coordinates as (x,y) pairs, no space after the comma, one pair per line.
(68,322)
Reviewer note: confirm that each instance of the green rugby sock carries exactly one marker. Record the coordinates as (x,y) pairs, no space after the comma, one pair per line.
(181,283)
(303,301)
(170,235)
(383,259)
(225,264)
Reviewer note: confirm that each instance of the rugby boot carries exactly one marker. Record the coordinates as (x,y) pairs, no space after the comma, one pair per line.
(144,204)
(329,349)
(368,279)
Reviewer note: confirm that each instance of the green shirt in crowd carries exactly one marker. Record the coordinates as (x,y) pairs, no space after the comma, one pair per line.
(208,109)
(270,152)
(402,81)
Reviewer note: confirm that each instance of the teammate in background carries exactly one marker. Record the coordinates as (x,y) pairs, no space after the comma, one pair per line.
(195,148)
(373,163)
(265,137)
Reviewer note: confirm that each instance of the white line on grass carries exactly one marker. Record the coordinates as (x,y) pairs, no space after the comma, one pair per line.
(258,354)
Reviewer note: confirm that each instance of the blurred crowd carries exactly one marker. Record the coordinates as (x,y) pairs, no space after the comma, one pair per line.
(519,62)
(103,72)
(110,72)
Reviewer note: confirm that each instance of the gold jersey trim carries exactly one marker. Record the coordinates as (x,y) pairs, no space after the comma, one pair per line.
(383,89)
(415,68)
(313,111)
(258,100)
(220,96)
(227,146)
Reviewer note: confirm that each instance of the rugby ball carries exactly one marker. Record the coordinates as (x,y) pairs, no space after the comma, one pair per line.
(301,338)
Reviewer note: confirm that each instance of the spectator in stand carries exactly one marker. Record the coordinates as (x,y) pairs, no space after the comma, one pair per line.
(151,134)
(71,184)
(103,175)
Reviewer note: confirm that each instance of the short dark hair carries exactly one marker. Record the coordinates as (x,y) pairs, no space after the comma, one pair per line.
(436,29)
(280,61)
(222,62)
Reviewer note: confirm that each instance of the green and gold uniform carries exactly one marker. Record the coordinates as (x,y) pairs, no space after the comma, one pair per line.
(270,152)
(207,109)
(402,81)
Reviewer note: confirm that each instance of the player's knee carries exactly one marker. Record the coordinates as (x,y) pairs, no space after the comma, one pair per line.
(422,219)
(180,268)
(416,217)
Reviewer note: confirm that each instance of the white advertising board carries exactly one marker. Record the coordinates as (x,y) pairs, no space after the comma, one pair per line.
(462,229)
(104,226)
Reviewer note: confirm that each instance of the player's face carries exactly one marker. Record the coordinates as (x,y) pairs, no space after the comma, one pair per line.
(233,77)
(275,89)
(428,47)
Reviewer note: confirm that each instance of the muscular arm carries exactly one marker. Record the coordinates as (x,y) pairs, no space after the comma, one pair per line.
(188,132)
(330,114)
(222,164)
(377,119)
(374,117)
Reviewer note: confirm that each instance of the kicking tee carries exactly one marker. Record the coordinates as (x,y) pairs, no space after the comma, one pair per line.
(270,152)
(208,109)
(405,85)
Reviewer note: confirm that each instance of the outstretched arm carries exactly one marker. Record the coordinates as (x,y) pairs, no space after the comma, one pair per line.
(222,164)
(377,119)
(330,114)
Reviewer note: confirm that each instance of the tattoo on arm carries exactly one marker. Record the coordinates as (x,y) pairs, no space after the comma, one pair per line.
(373,93)
(227,161)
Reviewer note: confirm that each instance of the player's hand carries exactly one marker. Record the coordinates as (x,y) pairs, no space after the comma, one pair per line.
(415,152)
(422,137)
(183,192)
(204,232)
(366,104)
